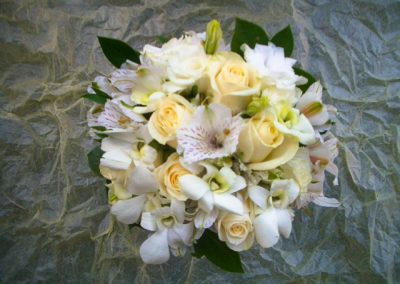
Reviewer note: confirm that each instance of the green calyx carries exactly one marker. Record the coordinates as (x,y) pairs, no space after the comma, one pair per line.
(218,184)
(257,105)
(213,37)
(287,116)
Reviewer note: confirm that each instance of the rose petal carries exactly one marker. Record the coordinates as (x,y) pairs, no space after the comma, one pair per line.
(278,156)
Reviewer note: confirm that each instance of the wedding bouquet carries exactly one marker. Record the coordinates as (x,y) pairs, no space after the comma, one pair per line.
(210,147)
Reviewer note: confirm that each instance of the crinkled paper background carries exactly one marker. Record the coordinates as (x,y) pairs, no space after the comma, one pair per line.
(54,223)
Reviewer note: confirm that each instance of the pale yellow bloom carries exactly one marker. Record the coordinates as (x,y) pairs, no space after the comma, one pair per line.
(172,113)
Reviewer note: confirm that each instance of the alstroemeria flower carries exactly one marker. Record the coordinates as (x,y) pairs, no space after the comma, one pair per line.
(117,118)
(170,232)
(290,121)
(147,91)
(310,104)
(103,84)
(215,189)
(276,217)
(212,133)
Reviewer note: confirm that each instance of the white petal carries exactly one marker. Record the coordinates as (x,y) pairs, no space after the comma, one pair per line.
(290,186)
(229,203)
(204,219)
(111,143)
(193,186)
(210,170)
(284,218)
(128,211)
(194,167)
(178,209)
(321,118)
(313,94)
(239,184)
(155,249)
(302,130)
(117,160)
(228,175)
(266,228)
(148,221)
(206,202)
(258,195)
(326,201)
(142,181)
(185,232)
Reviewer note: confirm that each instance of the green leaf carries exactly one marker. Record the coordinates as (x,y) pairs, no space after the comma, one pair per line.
(94,157)
(249,33)
(310,78)
(96,98)
(217,252)
(164,39)
(117,52)
(284,39)
(99,96)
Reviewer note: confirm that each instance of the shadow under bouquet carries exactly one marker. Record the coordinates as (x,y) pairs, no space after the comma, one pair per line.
(210,147)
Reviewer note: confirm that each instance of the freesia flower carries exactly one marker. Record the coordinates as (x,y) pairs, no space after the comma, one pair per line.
(215,189)
(276,216)
(272,65)
(310,104)
(170,231)
(212,133)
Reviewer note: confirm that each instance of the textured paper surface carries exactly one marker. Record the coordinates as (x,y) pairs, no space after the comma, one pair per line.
(54,223)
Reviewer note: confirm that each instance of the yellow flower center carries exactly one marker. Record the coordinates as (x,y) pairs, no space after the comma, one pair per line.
(237,230)
(168,221)
(218,184)
(124,121)
(287,116)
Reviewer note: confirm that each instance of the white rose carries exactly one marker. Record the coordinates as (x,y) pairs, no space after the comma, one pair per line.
(233,81)
(168,175)
(263,146)
(236,231)
(184,61)
(172,113)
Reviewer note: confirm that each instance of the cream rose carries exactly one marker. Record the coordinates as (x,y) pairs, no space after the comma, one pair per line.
(168,175)
(172,113)
(235,230)
(233,81)
(262,146)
